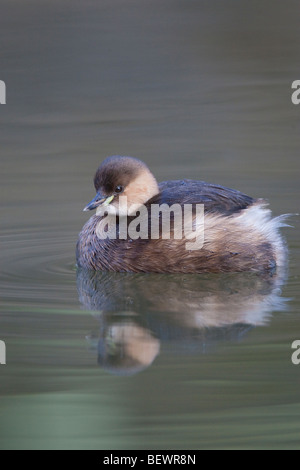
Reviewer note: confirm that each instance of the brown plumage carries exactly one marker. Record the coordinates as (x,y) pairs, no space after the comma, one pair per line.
(239,232)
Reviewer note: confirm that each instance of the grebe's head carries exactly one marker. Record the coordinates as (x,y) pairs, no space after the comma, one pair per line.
(122,184)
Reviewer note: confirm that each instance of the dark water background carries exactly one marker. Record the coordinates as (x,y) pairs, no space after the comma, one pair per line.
(197,89)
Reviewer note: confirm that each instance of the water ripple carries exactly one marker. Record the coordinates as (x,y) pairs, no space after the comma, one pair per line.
(36,265)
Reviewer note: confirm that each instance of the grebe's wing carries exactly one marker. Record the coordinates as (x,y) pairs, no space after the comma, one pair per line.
(215,198)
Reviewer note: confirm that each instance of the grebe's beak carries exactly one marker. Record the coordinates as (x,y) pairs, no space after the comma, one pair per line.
(99,200)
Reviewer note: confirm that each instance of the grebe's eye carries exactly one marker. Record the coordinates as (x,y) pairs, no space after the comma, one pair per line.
(119,189)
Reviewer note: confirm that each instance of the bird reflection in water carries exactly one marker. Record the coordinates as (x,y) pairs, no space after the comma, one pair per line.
(139,312)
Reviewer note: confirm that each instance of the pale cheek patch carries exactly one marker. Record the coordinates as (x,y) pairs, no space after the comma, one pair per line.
(138,192)
(143,188)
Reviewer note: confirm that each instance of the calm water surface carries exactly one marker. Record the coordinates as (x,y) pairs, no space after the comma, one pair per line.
(196,89)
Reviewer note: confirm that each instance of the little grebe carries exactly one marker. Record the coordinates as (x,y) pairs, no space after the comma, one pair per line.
(239,233)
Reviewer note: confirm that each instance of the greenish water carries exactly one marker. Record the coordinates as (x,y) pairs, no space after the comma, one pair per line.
(197,90)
